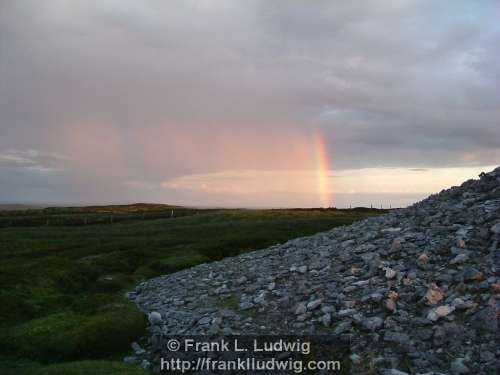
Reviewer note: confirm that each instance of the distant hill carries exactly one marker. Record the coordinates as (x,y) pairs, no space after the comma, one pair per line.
(17,207)
(115,208)
(24,215)
(134,207)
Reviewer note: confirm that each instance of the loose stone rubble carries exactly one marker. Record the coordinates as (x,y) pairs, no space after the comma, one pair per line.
(414,291)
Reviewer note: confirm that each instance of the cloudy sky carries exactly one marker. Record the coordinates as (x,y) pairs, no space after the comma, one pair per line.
(246,103)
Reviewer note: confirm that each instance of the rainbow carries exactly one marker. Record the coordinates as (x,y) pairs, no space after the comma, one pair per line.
(323,169)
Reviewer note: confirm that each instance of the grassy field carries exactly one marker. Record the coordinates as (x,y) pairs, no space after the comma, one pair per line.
(64,273)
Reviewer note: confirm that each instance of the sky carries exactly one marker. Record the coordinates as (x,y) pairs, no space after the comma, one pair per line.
(246,103)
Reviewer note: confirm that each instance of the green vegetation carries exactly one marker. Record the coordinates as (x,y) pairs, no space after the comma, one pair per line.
(91,214)
(62,285)
(87,367)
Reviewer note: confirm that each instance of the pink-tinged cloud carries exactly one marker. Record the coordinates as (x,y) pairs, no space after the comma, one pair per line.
(221,103)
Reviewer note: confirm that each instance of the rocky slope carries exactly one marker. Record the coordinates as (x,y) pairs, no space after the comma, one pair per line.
(416,290)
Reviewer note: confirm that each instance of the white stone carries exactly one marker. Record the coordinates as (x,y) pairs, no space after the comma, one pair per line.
(154,317)
(390,273)
(314,304)
(326,320)
(302,269)
(440,312)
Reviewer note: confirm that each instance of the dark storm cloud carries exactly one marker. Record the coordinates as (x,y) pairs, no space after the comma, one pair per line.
(135,92)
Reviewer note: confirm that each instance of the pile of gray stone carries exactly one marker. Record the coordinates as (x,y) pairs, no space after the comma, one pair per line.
(414,291)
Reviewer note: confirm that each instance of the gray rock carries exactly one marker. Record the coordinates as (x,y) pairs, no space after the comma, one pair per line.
(376,297)
(470,274)
(327,309)
(355,358)
(145,364)
(393,372)
(486,320)
(389,273)
(154,318)
(496,228)
(302,269)
(346,312)
(458,367)
(440,312)
(487,356)
(396,337)
(326,320)
(395,246)
(460,258)
(373,324)
(246,305)
(131,360)
(302,317)
(343,327)
(300,309)
(137,348)
(241,280)
(260,299)
(205,320)
(313,305)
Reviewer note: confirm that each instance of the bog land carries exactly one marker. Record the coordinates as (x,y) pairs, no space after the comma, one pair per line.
(64,273)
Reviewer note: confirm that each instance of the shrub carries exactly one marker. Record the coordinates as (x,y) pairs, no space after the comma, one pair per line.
(44,338)
(14,308)
(109,332)
(65,336)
